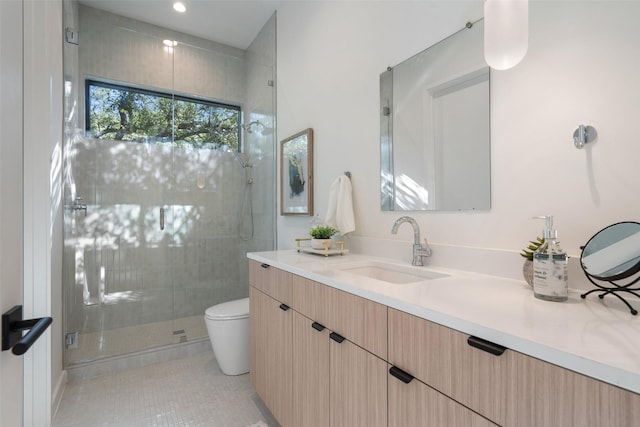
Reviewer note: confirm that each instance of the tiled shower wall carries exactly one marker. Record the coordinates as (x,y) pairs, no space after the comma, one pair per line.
(120,268)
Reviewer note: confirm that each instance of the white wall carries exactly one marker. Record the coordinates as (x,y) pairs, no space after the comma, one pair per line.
(581,67)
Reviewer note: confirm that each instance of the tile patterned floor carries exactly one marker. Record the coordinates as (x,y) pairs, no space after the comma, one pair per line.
(187,392)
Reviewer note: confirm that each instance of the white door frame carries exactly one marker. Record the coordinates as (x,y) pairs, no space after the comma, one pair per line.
(11,212)
(43,102)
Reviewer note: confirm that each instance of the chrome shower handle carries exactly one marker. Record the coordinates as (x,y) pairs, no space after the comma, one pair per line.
(161,218)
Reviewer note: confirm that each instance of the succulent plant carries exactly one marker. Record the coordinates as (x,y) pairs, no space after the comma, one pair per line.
(529,250)
(322,232)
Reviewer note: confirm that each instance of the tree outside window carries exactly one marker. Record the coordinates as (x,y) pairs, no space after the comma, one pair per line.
(122,113)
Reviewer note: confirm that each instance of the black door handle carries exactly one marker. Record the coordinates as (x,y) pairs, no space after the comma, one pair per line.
(317,326)
(284,307)
(12,327)
(403,376)
(485,345)
(265,265)
(336,337)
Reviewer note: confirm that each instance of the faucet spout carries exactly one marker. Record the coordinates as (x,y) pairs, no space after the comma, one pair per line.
(419,250)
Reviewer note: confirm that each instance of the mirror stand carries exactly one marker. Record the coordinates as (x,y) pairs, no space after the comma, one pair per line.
(614,290)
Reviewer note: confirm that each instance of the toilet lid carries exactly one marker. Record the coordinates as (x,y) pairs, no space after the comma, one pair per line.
(229,310)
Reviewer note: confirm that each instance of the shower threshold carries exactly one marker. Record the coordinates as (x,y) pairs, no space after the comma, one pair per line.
(97,346)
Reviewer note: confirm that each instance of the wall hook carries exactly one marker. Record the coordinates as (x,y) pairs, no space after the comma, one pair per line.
(584,135)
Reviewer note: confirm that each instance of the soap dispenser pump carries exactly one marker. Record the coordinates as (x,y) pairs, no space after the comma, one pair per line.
(550,266)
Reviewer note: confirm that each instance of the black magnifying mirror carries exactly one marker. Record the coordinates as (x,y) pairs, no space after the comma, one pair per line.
(611,255)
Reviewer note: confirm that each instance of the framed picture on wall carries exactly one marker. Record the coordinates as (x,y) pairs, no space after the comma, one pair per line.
(296,174)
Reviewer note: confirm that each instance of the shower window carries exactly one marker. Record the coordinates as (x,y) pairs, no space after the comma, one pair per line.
(123,113)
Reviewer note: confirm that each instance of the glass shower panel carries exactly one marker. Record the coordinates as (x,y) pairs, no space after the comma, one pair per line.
(206,192)
(118,272)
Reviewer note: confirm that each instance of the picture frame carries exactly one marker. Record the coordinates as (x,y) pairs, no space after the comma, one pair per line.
(296,174)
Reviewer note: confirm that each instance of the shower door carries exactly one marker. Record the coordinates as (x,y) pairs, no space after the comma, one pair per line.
(118,267)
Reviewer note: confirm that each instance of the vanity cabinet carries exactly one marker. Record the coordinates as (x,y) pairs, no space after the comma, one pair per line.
(324,357)
(271,339)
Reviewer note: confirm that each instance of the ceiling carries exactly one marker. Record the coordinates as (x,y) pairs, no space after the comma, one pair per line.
(232,22)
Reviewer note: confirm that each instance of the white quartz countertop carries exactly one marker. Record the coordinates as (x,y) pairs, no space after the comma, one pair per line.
(595,337)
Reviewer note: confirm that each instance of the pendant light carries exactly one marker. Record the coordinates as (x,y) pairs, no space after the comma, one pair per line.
(506,32)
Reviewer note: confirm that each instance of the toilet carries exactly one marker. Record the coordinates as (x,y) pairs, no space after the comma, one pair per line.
(228,327)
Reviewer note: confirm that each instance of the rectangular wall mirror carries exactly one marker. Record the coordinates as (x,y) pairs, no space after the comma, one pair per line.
(435,128)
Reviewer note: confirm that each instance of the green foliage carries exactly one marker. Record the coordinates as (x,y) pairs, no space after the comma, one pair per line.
(322,232)
(120,114)
(529,250)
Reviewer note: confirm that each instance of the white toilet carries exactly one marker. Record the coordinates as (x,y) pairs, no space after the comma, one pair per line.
(228,327)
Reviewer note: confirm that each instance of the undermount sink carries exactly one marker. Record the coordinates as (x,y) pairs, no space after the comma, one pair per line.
(391,273)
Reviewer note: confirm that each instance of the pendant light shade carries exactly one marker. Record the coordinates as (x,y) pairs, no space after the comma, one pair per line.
(506,32)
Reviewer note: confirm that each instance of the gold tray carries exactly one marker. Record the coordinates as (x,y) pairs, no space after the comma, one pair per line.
(330,248)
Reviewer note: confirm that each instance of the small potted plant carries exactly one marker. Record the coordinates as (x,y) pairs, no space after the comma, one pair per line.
(321,234)
(527,253)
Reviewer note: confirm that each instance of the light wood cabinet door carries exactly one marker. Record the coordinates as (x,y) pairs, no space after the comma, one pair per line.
(415,404)
(442,358)
(272,281)
(543,394)
(271,356)
(358,389)
(310,373)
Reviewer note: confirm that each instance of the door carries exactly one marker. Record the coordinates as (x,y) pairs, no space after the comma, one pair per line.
(358,389)
(11,384)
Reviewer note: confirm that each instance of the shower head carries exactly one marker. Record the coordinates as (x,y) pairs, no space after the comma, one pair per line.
(248,126)
(251,126)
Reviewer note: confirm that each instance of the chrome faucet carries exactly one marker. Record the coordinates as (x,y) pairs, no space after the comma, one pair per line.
(419,250)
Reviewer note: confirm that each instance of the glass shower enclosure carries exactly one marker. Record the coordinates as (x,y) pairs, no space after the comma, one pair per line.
(158,222)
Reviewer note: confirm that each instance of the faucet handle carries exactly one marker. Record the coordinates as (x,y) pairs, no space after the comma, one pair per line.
(425,248)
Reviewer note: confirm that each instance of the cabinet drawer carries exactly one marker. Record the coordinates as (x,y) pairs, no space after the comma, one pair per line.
(272,281)
(543,394)
(415,404)
(361,321)
(442,358)
(312,299)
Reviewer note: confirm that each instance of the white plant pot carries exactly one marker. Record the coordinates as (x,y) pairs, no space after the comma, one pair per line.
(318,243)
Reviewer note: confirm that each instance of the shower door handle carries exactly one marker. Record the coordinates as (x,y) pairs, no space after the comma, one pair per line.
(161,218)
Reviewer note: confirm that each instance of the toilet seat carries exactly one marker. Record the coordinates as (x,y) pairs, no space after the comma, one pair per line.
(230,310)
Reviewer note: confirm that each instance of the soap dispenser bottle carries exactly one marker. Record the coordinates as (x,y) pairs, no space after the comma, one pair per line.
(550,266)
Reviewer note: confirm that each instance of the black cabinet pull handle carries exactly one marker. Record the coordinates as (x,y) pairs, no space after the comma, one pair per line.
(485,345)
(265,265)
(401,375)
(284,307)
(317,326)
(336,337)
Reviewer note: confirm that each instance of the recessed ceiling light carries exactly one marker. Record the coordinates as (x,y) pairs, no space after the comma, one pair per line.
(170,43)
(179,7)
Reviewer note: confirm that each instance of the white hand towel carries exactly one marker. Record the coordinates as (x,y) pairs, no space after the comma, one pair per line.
(340,212)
